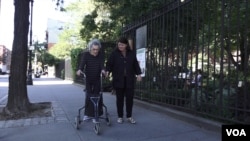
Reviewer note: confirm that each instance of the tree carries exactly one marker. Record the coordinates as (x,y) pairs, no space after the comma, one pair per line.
(18,101)
(114,15)
(235,37)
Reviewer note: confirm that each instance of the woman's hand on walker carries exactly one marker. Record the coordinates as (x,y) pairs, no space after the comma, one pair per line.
(106,74)
(139,78)
(79,72)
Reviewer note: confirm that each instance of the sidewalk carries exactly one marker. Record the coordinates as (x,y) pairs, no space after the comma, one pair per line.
(154,123)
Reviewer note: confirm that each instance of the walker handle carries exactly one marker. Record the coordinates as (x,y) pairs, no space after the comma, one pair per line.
(83,74)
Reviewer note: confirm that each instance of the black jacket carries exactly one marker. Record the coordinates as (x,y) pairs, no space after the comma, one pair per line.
(121,67)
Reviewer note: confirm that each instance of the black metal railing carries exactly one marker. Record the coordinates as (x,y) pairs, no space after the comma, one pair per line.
(189,36)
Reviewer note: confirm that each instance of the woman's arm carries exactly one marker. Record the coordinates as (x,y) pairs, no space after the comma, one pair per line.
(137,68)
(82,65)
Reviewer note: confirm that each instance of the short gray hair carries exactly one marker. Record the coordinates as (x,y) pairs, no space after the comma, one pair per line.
(94,42)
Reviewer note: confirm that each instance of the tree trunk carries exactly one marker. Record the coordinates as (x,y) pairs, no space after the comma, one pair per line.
(18,101)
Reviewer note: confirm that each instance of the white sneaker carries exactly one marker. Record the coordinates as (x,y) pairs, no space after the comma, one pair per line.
(85,118)
(131,120)
(120,120)
(94,121)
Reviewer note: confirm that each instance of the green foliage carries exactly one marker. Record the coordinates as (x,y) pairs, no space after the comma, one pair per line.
(89,25)
(49,59)
(61,50)
(236,76)
(74,59)
(234,22)
(127,11)
(69,37)
(108,18)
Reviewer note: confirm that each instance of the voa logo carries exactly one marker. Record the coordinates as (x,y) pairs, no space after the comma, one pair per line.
(236,132)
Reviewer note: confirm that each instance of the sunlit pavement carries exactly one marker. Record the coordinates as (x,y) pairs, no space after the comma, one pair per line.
(3,87)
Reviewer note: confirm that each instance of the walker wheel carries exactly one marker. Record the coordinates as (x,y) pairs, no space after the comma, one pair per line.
(77,122)
(97,128)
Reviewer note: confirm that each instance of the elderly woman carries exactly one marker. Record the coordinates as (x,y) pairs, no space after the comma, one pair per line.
(92,64)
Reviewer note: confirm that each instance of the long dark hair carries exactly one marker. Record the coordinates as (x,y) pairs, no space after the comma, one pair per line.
(124,40)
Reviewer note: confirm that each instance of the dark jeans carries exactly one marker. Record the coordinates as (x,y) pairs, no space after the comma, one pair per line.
(121,93)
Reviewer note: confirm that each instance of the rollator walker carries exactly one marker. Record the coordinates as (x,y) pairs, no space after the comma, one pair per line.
(95,99)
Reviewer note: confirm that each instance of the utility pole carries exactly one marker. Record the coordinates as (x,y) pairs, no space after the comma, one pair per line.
(0,7)
(29,78)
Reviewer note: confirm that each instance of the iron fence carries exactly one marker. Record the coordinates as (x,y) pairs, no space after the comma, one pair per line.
(186,37)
